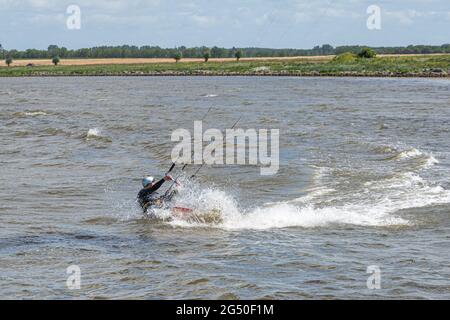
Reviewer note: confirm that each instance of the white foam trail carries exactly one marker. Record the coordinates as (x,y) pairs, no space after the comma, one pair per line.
(379,204)
(369,213)
(285,215)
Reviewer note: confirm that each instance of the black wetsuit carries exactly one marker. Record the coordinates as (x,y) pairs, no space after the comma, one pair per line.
(148,196)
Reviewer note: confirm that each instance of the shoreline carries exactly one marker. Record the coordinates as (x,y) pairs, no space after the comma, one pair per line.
(263,75)
(426,66)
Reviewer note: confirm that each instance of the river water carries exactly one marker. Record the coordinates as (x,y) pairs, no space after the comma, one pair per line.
(363,185)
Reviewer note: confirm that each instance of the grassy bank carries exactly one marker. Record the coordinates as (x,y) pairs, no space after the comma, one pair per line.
(391,66)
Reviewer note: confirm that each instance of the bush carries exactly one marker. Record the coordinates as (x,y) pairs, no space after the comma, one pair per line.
(346,57)
(367,53)
(177,56)
(8,60)
(238,54)
(55,60)
(206,55)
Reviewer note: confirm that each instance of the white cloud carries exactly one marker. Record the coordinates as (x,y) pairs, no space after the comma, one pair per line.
(261,20)
(407,17)
(47,19)
(113,20)
(203,21)
(40,3)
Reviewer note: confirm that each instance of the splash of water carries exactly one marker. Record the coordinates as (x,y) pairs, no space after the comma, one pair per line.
(375,203)
(94,132)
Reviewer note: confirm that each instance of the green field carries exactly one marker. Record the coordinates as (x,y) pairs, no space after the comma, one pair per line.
(395,66)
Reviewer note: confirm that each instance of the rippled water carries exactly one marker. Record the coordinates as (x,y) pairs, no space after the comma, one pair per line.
(364,180)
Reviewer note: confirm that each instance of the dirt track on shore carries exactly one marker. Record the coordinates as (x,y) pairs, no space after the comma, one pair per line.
(85,62)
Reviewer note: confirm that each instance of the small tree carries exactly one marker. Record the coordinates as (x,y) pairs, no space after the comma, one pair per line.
(8,60)
(177,57)
(367,53)
(55,60)
(206,55)
(238,54)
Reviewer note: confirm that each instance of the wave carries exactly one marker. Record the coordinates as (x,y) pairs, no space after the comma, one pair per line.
(411,153)
(408,154)
(53,131)
(377,202)
(423,159)
(30,113)
(96,134)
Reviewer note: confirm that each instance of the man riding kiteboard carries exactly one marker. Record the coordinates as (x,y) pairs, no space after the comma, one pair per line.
(149,197)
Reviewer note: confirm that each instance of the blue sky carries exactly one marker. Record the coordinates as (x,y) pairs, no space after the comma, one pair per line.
(241,23)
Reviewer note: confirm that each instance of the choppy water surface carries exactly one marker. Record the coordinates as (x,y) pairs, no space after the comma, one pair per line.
(364,180)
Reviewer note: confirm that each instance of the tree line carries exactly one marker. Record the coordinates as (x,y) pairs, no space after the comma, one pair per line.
(127,51)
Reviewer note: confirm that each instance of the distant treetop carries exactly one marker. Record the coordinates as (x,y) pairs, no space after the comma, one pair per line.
(127,51)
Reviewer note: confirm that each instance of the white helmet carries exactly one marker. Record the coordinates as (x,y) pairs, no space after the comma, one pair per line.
(148,180)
